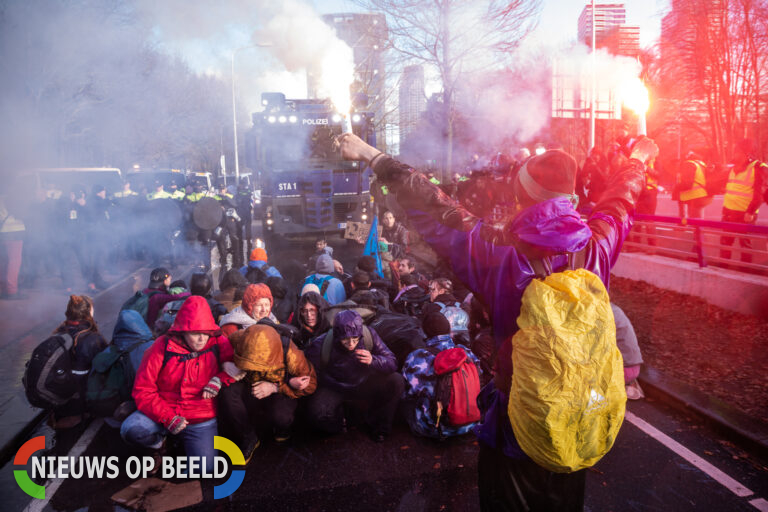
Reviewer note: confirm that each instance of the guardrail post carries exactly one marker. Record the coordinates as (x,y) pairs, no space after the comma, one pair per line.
(699,247)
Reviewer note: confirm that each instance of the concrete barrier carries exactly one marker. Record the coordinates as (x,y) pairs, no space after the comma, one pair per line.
(735,291)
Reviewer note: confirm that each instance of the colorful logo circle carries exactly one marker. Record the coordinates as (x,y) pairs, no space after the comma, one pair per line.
(22,477)
(235,480)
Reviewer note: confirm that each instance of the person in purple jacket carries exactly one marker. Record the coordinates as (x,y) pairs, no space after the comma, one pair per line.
(349,371)
(495,264)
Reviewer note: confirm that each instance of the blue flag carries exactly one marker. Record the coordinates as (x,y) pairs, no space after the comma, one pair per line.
(372,245)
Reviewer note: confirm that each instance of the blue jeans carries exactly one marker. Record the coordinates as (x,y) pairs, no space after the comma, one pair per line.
(139,430)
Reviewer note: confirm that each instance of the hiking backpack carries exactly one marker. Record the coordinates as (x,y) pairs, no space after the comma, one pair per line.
(567,399)
(456,389)
(48,380)
(140,302)
(411,304)
(256,275)
(167,316)
(321,282)
(110,382)
(457,317)
(401,333)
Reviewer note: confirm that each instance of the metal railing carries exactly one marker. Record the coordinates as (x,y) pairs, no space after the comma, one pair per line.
(702,241)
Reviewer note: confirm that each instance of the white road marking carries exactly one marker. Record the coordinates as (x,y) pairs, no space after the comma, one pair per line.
(714,473)
(760,504)
(77,450)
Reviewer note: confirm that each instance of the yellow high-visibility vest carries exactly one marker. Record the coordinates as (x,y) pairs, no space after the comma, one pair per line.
(158,195)
(699,188)
(740,188)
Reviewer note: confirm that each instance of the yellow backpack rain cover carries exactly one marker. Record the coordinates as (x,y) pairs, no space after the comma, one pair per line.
(567,400)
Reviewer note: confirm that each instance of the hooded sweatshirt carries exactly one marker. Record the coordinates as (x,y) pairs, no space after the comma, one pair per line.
(131,329)
(493,262)
(162,392)
(344,372)
(334,292)
(259,351)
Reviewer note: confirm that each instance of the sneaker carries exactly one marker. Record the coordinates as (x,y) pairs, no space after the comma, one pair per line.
(282,435)
(249,447)
(634,391)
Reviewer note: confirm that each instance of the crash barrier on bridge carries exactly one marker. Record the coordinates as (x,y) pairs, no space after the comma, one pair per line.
(685,258)
(702,241)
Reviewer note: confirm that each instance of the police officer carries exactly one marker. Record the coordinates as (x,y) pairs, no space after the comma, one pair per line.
(159,192)
(743,195)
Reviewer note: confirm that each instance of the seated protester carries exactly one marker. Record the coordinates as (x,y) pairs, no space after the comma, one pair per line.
(87,343)
(361,283)
(167,314)
(355,370)
(308,318)
(411,298)
(230,282)
(443,301)
(257,304)
(321,247)
(269,382)
(394,234)
(626,340)
(159,280)
(173,292)
(130,336)
(330,287)
(310,288)
(256,308)
(284,300)
(258,270)
(407,266)
(200,284)
(178,378)
(421,382)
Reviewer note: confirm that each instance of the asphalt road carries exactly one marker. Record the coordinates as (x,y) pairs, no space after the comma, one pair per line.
(662,460)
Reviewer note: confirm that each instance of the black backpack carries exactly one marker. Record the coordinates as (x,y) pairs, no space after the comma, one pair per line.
(256,275)
(401,333)
(48,380)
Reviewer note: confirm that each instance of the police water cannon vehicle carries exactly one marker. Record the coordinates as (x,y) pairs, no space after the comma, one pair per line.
(306,187)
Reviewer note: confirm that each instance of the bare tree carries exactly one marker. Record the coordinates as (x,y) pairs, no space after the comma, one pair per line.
(453,38)
(714,58)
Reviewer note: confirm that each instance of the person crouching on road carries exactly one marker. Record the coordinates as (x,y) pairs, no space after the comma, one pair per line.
(422,379)
(87,343)
(175,385)
(269,383)
(351,369)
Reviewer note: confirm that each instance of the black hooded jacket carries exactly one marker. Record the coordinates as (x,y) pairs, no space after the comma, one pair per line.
(305,333)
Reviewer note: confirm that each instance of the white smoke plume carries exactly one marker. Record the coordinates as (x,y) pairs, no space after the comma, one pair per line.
(302,41)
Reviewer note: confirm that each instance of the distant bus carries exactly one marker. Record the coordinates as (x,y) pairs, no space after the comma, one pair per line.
(306,188)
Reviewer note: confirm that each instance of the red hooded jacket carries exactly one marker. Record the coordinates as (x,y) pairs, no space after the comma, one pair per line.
(176,389)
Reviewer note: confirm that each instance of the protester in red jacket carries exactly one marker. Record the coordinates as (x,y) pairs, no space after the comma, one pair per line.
(175,385)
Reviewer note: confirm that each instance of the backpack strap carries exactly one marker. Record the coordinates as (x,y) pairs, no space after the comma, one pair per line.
(167,354)
(325,354)
(541,268)
(577,259)
(367,338)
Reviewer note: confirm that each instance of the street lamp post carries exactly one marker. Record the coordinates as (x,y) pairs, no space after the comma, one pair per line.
(234,106)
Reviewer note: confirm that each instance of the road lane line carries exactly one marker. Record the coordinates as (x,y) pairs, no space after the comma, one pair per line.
(760,504)
(77,450)
(714,473)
